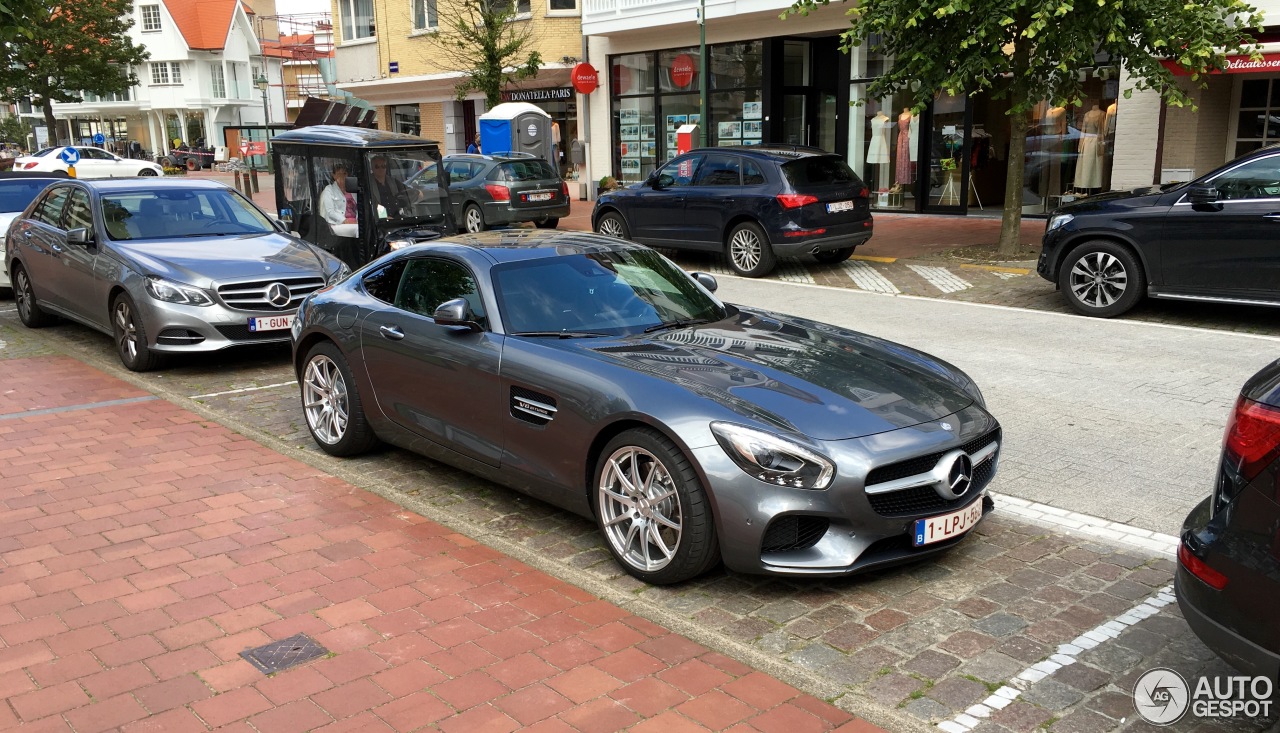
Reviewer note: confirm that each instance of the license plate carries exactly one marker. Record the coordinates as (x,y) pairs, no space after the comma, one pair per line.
(839,206)
(947,526)
(270,323)
(539,197)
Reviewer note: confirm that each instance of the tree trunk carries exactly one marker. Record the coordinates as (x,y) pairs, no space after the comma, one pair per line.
(47,106)
(1011,222)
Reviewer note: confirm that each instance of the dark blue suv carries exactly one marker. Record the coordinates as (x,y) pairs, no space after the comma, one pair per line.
(754,203)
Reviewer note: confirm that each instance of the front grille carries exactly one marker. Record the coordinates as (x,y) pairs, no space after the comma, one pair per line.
(242,333)
(178,337)
(251,295)
(794,532)
(924,500)
(924,464)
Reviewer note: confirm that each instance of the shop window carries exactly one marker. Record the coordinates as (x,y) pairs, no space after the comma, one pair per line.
(636,149)
(679,70)
(632,74)
(677,110)
(737,118)
(795,63)
(1258,120)
(737,65)
(1069,149)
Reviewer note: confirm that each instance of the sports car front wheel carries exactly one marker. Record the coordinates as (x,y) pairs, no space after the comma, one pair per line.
(332,405)
(653,510)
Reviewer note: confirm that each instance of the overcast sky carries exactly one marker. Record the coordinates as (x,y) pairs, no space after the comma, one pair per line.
(290,7)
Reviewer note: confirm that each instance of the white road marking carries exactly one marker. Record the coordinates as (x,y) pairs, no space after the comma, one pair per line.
(1084,524)
(791,272)
(245,389)
(1007,275)
(866,277)
(1065,656)
(3,344)
(941,278)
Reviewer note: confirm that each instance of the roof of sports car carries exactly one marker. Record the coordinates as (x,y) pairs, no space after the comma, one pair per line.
(505,245)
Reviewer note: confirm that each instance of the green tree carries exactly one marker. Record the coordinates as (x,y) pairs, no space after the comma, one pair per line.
(1029,50)
(488,45)
(17,18)
(78,47)
(14,129)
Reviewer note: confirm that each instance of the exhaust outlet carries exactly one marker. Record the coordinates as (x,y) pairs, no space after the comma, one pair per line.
(814,251)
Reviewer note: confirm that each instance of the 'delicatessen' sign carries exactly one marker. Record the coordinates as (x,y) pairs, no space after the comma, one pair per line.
(1235,65)
(537,95)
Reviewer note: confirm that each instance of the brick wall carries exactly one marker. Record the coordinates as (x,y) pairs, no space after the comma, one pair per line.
(1133,163)
(432,118)
(1197,140)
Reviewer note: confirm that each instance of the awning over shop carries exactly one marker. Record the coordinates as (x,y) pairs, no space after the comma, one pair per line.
(1270,62)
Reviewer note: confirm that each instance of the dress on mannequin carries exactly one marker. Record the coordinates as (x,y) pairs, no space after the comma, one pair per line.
(1089,164)
(1053,128)
(905,169)
(878,150)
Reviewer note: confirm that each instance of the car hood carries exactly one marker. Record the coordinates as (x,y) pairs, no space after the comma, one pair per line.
(817,380)
(1142,196)
(201,261)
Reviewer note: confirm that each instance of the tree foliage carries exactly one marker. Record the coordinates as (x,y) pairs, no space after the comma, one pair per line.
(18,18)
(77,47)
(14,129)
(486,43)
(1027,51)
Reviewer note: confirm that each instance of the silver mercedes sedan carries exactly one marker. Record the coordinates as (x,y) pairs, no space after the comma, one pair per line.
(163,266)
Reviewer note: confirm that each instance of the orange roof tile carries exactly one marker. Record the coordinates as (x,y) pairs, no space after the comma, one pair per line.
(203,23)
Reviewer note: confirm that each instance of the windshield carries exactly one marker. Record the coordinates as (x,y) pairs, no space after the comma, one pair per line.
(171,213)
(605,293)
(16,194)
(403,186)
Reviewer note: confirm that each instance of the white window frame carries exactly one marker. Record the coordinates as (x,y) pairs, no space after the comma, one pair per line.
(175,72)
(575,11)
(159,73)
(143,10)
(430,8)
(346,11)
(217,80)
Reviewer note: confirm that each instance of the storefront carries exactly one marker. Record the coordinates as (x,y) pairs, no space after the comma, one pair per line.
(559,102)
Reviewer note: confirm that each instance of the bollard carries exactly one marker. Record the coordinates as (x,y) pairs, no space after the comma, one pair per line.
(253,175)
(238,188)
(248,187)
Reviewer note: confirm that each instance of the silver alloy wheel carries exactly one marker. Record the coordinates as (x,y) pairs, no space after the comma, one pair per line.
(1099,279)
(147,172)
(325,399)
(474,221)
(745,248)
(126,331)
(640,509)
(22,293)
(611,227)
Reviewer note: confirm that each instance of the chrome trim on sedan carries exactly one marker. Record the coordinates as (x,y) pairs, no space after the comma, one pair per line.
(937,474)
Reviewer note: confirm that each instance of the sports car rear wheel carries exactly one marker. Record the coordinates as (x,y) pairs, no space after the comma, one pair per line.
(332,405)
(653,510)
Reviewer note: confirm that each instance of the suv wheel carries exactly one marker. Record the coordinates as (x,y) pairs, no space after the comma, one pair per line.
(613,225)
(749,252)
(1101,278)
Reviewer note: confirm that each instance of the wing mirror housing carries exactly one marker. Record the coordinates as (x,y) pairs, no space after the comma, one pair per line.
(454,313)
(706,280)
(1202,193)
(80,235)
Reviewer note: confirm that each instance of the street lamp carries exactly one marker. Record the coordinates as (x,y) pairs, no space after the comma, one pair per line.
(262,83)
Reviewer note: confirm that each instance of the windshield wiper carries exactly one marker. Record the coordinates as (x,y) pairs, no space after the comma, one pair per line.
(678,323)
(561,334)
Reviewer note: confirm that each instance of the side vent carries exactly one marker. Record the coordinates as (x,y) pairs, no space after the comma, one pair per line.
(532,407)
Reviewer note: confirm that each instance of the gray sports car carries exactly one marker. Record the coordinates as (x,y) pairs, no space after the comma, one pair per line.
(594,374)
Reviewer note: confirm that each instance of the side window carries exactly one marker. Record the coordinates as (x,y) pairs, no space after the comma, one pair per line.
(49,210)
(94,154)
(752,175)
(383,282)
(719,169)
(428,283)
(1257,179)
(78,212)
(679,172)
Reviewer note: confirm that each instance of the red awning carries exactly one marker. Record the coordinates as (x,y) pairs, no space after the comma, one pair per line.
(1236,65)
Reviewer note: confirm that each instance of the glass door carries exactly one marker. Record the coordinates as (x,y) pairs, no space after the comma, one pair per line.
(795,126)
(945,184)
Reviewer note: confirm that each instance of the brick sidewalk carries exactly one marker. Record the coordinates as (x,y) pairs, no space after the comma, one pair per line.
(142,548)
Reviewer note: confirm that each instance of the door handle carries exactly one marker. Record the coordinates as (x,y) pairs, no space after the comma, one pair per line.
(391,332)
(1271,217)
(56,249)
(26,233)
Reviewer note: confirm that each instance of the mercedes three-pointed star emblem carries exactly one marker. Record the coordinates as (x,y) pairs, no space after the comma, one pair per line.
(278,295)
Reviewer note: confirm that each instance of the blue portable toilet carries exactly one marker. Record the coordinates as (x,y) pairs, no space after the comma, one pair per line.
(516,127)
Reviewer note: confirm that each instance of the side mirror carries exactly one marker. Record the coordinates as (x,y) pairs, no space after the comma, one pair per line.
(706,280)
(79,236)
(1202,193)
(279,225)
(454,313)
(353,184)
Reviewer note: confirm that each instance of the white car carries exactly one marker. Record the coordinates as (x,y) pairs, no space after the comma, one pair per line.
(16,191)
(94,163)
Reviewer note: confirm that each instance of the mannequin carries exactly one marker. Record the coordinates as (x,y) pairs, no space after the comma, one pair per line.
(1089,163)
(905,168)
(878,150)
(1053,128)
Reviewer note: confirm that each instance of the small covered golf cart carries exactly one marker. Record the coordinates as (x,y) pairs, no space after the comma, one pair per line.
(360,193)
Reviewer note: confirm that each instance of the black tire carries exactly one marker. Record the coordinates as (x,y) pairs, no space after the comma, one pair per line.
(473,219)
(29,310)
(354,437)
(551,223)
(611,224)
(147,172)
(1101,278)
(748,250)
(131,336)
(696,549)
(192,165)
(834,256)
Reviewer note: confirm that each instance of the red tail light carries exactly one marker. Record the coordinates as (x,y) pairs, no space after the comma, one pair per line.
(29,166)
(861,193)
(498,191)
(564,186)
(796,200)
(1196,567)
(1253,437)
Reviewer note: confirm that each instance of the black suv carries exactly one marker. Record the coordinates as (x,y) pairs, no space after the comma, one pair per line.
(755,203)
(495,190)
(1213,239)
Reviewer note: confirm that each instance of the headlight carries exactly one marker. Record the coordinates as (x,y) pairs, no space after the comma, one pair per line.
(399,244)
(772,458)
(171,292)
(342,274)
(1058,220)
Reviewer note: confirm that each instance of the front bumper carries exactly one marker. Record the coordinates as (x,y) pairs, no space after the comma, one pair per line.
(1047,265)
(173,328)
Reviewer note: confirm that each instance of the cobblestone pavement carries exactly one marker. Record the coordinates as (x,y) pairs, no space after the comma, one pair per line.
(913,648)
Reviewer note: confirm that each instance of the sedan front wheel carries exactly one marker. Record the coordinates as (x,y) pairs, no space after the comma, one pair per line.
(131,336)
(1101,278)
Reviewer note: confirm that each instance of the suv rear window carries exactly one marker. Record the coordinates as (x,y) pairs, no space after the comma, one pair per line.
(818,171)
(526,170)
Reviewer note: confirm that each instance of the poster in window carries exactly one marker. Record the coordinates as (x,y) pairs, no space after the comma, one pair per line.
(647,132)
(752,110)
(752,128)
(671,141)
(629,132)
(628,116)
(630,150)
(630,167)
(751,141)
(648,149)
(675,121)
(730,129)
(694,119)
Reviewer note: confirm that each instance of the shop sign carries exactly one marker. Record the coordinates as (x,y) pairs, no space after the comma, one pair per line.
(585,78)
(1235,65)
(537,95)
(682,70)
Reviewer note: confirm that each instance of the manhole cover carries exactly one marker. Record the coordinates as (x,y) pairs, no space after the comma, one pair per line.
(284,654)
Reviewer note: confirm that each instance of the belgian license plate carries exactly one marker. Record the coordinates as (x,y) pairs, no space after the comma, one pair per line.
(937,529)
(839,206)
(539,197)
(270,323)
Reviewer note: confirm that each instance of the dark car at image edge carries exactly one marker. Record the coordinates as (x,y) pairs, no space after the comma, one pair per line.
(1228,576)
